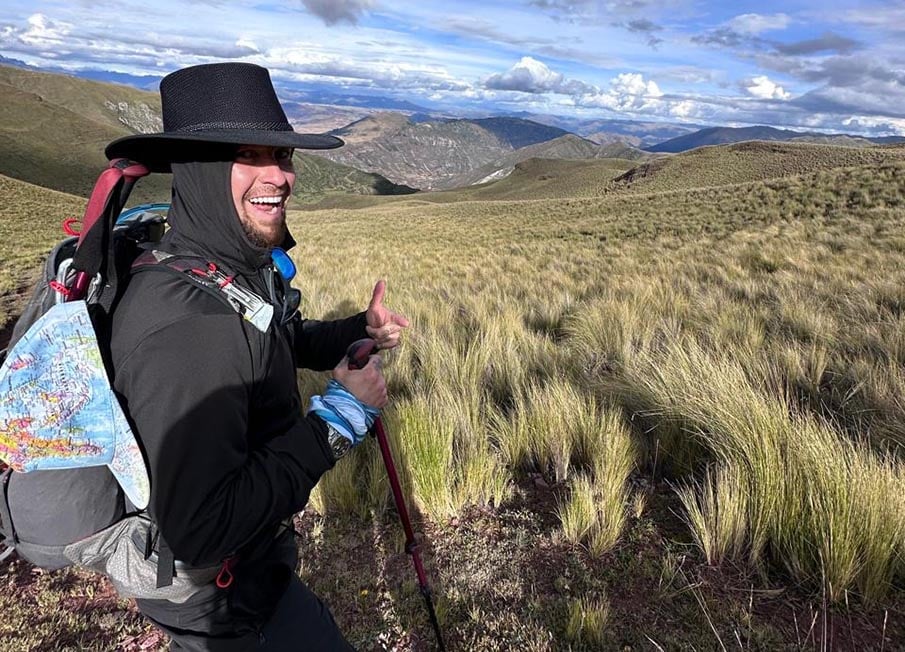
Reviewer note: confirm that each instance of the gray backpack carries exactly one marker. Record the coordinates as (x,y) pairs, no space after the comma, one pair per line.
(81,516)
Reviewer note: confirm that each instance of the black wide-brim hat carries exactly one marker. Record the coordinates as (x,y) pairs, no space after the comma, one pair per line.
(208,108)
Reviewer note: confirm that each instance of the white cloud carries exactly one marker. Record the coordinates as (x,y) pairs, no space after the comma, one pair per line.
(532,76)
(685,109)
(42,31)
(632,83)
(758,23)
(247,44)
(762,88)
(628,92)
(877,125)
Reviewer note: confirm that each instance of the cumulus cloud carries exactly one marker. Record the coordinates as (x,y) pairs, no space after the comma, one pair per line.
(43,32)
(338,11)
(763,88)
(758,23)
(532,76)
(876,125)
(627,92)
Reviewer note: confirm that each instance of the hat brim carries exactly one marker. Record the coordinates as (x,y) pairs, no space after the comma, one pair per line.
(158,151)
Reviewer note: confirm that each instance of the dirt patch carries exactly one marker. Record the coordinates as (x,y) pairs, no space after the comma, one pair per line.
(502,579)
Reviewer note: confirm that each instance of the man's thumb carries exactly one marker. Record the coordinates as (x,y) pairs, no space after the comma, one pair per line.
(379,290)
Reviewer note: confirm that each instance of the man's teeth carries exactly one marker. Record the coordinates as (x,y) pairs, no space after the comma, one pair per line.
(266,200)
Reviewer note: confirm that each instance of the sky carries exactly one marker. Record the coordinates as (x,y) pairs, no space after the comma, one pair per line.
(825,65)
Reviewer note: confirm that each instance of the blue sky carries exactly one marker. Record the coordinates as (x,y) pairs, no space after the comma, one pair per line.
(836,65)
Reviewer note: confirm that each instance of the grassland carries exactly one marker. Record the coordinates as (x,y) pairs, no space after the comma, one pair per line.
(30,224)
(664,419)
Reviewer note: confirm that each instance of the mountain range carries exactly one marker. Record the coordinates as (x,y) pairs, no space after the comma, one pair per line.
(55,127)
(724,135)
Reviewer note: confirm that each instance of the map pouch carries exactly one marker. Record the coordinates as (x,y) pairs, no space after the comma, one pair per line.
(73,458)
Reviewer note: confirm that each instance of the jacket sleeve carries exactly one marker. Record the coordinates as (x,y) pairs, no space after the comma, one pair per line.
(189,387)
(320,345)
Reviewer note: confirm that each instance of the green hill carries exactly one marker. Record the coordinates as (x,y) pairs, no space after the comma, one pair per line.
(318,177)
(749,161)
(53,130)
(30,219)
(544,178)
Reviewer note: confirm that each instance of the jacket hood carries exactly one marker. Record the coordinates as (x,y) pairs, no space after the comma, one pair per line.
(203,219)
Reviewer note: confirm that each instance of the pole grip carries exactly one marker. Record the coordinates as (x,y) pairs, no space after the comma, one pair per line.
(359,351)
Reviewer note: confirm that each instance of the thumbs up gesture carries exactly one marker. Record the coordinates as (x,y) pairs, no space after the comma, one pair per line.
(384,325)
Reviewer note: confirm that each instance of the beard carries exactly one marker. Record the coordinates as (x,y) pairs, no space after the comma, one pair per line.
(264,238)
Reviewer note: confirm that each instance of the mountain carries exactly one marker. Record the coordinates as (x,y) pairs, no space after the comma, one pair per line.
(54,129)
(724,135)
(569,147)
(437,154)
(318,177)
(312,93)
(519,133)
(634,132)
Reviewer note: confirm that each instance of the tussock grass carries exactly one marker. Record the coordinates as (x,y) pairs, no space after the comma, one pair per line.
(751,335)
(587,621)
(788,486)
(744,341)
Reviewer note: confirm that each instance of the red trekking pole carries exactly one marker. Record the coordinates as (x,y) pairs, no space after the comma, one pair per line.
(358,354)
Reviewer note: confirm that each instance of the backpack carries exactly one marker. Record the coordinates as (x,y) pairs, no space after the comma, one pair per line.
(81,495)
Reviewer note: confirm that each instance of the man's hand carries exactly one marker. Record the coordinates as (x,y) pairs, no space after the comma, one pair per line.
(366,384)
(384,325)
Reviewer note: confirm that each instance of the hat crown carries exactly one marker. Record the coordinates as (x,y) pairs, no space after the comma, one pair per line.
(221,96)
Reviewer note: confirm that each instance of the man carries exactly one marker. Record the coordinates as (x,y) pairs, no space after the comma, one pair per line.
(211,396)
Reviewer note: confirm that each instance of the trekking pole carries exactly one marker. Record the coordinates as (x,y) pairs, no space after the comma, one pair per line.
(358,354)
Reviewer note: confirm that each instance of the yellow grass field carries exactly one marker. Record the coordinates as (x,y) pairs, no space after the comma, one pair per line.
(655,420)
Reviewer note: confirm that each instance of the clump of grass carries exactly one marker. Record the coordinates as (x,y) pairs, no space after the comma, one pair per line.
(587,620)
(595,511)
(810,490)
(716,510)
(448,454)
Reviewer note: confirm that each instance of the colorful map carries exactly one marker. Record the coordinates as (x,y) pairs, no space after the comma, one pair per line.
(57,409)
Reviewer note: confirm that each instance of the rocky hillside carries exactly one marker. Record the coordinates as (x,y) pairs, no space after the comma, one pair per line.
(568,147)
(436,154)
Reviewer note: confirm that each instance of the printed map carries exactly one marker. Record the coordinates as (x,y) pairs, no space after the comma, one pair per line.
(57,409)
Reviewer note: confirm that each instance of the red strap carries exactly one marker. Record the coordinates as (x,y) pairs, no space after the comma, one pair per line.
(56,286)
(67,226)
(118,168)
(225,576)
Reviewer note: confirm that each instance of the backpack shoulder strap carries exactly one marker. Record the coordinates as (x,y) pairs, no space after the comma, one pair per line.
(211,279)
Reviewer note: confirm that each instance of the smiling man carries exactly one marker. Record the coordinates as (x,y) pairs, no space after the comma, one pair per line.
(212,397)
(262,180)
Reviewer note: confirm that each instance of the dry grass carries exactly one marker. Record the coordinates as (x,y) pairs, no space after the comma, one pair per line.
(727,323)
(745,342)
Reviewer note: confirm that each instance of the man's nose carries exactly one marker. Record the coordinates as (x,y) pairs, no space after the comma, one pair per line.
(270,170)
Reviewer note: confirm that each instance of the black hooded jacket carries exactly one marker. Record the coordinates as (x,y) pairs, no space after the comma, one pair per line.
(213,400)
